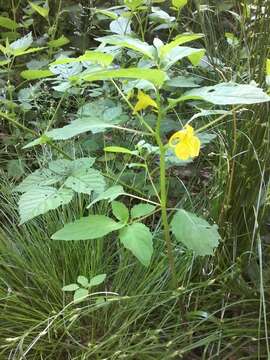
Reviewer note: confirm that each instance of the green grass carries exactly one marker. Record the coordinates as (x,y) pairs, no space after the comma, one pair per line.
(215,313)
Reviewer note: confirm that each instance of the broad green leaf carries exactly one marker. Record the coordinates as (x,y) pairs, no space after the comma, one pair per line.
(120,211)
(82,280)
(66,167)
(97,280)
(157,77)
(226,94)
(196,57)
(121,26)
(133,4)
(130,43)
(87,228)
(179,40)
(179,4)
(180,52)
(43,11)
(96,116)
(4,62)
(21,44)
(141,210)
(95,57)
(118,149)
(138,239)
(70,287)
(40,200)
(36,74)
(8,23)
(110,194)
(20,52)
(58,42)
(86,181)
(195,233)
(80,295)
(183,82)
(41,177)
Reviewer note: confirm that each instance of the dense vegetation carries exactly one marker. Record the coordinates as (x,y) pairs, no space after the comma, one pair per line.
(134,179)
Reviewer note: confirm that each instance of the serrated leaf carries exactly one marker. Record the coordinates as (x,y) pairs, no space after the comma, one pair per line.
(58,42)
(130,43)
(22,43)
(141,210)
(70,287)
(138,239)
(110,194)
(97,280)
(226,94)
(87,228)
(80,295)
(82,280)
(36,74)
(157,77)
(8,23)
(40,200)
(41,177)
(195,233)
(120,211)
(85,181)
(43,11)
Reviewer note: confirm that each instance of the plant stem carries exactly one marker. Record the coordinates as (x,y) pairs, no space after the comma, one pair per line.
(163,194)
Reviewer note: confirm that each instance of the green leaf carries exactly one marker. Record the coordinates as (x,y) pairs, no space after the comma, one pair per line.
(43,11)
(226,94)
(179,40)
(267,66)
(82,280)
(40,200)
(41,177)
(8,23)
(118,149)
(58,42)
(195,233)
(141,210)
(157,77)
(36,74)
(196,57)
(87,228)
(133,4)
(130,43)
(138,239)
(110,194)
(21,44)
(97,280)
(80,295)
(179,4)
(85,181)
(66,167)
(70,287)
(180,52)
(95,57)
(120,211)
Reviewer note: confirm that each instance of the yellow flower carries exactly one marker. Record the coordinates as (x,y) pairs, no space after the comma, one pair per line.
(143,102)
(185,144)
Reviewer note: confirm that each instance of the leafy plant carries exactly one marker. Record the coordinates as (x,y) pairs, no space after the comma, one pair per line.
(83,286)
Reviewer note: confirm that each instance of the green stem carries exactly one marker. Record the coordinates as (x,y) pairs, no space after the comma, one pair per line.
(163,194)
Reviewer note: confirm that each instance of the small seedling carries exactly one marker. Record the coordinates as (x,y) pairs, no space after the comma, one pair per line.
(82,287)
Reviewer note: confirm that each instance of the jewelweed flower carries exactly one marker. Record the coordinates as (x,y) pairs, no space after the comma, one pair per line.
(185,144)
(144,101)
